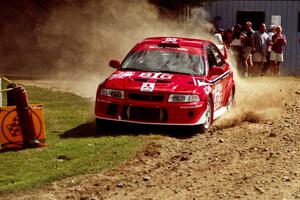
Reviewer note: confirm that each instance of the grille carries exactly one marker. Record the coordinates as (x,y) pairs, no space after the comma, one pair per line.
(112,109)
(144,114)
(145,97)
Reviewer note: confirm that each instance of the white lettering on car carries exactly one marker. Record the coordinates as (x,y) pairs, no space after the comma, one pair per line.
(146,75)
(190,107)
(155,75)
(218,95)
(171,39)
(121,75)
(207,89)
(166,76)
(147,87)
(158,47)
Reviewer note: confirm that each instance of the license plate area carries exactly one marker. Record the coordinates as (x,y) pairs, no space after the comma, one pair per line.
(144,114)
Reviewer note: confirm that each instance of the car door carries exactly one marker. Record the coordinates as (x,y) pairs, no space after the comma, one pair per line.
(218,76)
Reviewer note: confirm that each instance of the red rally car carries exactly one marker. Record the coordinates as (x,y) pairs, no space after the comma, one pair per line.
(167,81)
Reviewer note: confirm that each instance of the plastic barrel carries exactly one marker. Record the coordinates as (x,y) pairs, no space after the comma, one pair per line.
(25,117)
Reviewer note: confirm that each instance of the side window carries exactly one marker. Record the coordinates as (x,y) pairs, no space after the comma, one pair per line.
(211,58)
(218,56)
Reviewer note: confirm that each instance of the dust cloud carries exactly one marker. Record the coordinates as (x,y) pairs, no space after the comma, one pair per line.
(85,37)
(257,99)
(77,39)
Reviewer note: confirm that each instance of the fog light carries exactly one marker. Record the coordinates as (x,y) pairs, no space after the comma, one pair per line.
(191,114)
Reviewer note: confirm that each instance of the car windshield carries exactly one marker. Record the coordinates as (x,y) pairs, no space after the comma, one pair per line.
(165,60)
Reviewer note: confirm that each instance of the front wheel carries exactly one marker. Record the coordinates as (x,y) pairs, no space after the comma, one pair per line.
(208,119)
(102,124)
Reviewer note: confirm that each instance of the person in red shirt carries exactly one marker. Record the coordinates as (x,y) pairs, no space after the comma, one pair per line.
(276,56)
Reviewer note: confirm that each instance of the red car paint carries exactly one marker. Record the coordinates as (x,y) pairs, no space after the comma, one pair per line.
(143,85)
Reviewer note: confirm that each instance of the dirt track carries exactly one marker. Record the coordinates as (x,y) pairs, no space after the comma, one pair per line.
(252,153)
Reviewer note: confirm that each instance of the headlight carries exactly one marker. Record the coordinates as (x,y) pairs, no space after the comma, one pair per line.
(184,98)
(113,93)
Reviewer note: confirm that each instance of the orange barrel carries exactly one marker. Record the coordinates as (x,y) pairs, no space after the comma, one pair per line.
(25,117)
(11,135)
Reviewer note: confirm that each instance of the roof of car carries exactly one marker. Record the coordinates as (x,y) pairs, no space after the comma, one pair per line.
(189,42)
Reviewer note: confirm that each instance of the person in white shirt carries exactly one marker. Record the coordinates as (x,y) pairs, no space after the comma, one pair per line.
(271,32)
(260,50)
(219,35)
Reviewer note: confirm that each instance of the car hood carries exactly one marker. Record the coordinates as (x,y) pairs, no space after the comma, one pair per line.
(154,82)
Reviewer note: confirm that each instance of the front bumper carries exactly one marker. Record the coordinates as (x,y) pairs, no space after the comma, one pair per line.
(146,111)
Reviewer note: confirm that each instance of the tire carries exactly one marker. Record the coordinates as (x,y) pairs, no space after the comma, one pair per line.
(102,124)
(203,127)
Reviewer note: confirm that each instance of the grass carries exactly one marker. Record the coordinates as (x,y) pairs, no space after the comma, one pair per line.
(33,168)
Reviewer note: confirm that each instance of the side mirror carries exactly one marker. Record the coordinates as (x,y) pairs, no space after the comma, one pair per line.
(115,64)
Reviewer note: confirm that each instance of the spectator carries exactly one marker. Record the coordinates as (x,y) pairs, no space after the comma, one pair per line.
(236,43)
(270,35)
(261,40)
(271,32)
(219,35)
(248,46)
(216,22)
(227,37)
(237,31)
(276,56)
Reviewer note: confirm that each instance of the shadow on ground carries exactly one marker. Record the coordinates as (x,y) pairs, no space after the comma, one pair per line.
(116,129)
